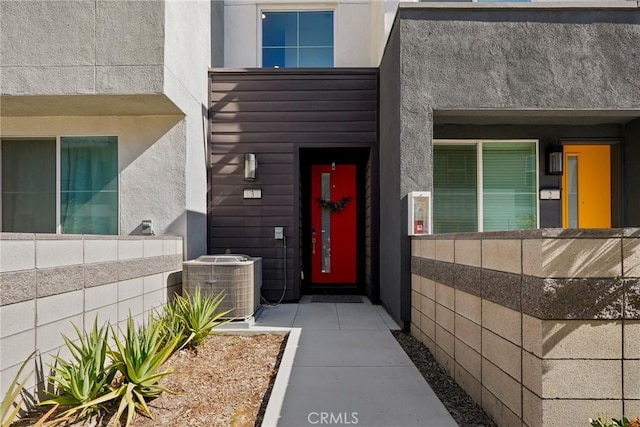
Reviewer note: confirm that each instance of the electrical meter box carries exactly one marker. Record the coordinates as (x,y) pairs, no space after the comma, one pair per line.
(419,213)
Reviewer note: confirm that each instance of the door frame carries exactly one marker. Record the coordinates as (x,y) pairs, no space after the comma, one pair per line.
(311,156)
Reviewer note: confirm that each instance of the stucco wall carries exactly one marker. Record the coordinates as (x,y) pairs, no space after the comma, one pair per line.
(354,39)
(187,61)
(87,47)
(470,57)
(152,161)
(390,212)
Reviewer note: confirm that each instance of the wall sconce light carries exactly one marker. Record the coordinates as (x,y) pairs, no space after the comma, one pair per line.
(250,167)
(554,159)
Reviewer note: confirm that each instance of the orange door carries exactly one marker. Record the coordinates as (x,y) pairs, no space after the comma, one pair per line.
(586,186)
(333,224)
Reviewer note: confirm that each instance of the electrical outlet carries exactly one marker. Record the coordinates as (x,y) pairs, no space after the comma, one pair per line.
(279,233)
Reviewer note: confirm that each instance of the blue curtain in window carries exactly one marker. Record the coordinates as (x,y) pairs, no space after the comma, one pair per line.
(89,185)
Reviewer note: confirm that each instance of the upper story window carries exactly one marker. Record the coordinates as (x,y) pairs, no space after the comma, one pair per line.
(297,39)
(67,185)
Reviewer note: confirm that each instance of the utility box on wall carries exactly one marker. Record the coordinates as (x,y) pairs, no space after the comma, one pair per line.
(419,211)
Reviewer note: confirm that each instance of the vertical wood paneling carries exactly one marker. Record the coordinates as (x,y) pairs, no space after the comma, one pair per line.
(273,113)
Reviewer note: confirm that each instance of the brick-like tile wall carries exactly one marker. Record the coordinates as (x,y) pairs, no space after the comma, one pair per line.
(540,327)
(48,283)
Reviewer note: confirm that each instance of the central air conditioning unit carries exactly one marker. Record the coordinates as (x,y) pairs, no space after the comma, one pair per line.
(238,276)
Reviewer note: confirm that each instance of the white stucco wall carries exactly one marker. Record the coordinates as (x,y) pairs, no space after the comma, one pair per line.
(81,47)
(187,61)
(359,29)
(152,160)
(87,51)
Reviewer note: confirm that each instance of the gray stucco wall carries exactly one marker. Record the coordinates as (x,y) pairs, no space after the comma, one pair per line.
(81,47)
(474,57)
(632,174)
(391,293)
(519,58)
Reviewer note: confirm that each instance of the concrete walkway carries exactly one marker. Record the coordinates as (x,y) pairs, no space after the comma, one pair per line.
(346,369)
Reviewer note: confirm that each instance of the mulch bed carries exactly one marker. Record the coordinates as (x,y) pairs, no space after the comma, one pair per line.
(459,404)
(226,381)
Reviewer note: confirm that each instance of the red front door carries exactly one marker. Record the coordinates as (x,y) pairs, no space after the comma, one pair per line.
(333,224)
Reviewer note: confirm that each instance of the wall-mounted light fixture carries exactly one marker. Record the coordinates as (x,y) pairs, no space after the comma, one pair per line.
(250,167)
(554,159)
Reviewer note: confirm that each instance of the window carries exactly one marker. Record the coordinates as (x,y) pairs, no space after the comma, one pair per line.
(29,186)
(484,186)
(297,39)
(86,185)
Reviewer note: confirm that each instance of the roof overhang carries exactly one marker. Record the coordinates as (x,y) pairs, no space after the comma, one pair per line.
(537,117)
(87,105)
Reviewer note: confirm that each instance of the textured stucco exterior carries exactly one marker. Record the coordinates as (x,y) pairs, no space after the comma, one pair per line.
(134,69)
(87,47)
(187,60)
(534,59)
(151,162)
(390,210)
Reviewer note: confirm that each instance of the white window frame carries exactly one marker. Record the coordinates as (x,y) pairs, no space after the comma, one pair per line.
(480,179)
(58,161)
(296,7)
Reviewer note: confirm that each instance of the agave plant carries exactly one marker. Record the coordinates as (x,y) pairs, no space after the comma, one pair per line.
(139,357)
(12,402)
(173,324)
(623,422)
(199,314)
(84,382)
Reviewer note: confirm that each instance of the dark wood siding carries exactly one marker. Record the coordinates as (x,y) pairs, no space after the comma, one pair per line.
(274,114)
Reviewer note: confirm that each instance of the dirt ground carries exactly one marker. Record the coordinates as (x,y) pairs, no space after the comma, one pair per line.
(226,382)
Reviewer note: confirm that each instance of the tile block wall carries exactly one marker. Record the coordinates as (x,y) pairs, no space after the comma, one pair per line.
(540,327)
(48,283)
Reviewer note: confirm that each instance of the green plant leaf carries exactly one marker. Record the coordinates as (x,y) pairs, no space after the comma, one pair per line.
(138,356)
(9,408)
(84,382)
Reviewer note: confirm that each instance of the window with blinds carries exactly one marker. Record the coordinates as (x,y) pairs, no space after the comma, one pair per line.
(502,196)
(455,200)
